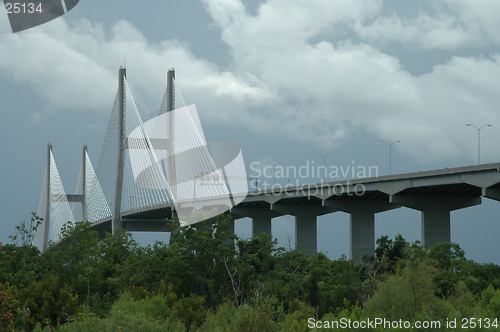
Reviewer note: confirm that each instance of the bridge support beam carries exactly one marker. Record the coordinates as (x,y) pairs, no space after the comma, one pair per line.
(306,224)
(435,214)
(492,193)
(362,224)
(261,218)
(146,225)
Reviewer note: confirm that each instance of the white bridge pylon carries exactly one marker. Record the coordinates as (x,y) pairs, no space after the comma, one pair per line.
(164,162)
(54,206)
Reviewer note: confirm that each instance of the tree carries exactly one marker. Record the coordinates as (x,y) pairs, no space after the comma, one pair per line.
(490,302)
(451,266)
(25,232)
(256,265)
(334,284)
(75,256)
(388,252)
(49,303)
(19,262)
(5,314)
(190,310)
(196,260)
(404,294)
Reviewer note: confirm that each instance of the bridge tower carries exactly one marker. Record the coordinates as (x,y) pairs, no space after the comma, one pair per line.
(82,187)
(54,206)
(47,211)
(84,184)
(171,174)
(116,222)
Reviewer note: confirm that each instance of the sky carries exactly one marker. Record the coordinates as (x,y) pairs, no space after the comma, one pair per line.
(283,79)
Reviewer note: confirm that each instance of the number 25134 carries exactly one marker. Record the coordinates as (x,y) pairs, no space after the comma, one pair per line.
(23,8)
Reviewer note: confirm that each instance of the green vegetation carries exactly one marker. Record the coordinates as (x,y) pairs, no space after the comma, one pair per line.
(209,280)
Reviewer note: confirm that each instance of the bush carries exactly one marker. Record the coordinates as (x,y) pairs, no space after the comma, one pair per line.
(190,310)
(49,304)
(5,314)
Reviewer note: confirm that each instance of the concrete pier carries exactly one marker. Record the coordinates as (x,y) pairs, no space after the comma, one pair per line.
(435,213)
(261,218)
(306,226)
(362,223)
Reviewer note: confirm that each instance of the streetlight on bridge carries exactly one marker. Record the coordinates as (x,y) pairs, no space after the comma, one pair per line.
(324,160)
(478,139)
(390,153)
(274,170)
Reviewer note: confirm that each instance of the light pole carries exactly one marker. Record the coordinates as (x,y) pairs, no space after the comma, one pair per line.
(274,170)
(390,153)
(256,182)
(478,139)
(324,160)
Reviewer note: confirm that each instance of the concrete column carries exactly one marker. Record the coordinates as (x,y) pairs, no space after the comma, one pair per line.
(306,230)
(362,228)
(435,227)
(306,226)
(362,236)
(231,227)
(435,214)
(231,232)
(261,225)
(261,218)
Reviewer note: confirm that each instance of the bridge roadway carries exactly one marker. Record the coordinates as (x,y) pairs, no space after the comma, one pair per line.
(435,193)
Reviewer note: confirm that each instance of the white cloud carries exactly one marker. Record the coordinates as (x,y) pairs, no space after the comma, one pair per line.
(286,75)
(447,25)
(326,90)
(480,16)
(431,32)
(73,66)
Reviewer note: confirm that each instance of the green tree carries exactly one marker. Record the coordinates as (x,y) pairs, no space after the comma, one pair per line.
(19,263)
(5,313)
(74,258)
(462,300)
(451,266)
(196,260)
(334,284)
(404,294)
(49,303)
(190,310)
(490,302)
(480,276)
(25,232)
(255,266)
(388,252)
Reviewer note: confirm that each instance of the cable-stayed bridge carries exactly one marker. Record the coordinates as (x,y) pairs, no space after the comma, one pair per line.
(150,172)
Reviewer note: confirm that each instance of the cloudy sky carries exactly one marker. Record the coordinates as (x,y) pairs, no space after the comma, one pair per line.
(284,79)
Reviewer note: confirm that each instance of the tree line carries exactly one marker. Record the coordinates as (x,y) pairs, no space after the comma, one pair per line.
(207,279)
